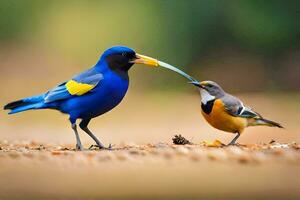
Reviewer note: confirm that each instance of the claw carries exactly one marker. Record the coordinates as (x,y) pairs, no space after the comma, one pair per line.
(91,146)
(79,147)
(101,147)
(110,146)
(234,144)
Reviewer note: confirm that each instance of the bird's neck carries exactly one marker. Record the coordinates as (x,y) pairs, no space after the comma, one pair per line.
(205,96)
(103,67)
(207,101)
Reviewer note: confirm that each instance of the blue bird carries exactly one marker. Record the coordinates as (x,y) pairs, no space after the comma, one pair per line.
(91,93)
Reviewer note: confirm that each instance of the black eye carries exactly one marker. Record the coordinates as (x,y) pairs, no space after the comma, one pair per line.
(124,54)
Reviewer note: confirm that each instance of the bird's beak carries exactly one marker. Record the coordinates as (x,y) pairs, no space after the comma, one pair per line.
(141,59)
(196,83)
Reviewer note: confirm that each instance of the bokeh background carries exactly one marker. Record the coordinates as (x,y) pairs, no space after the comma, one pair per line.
(252,48)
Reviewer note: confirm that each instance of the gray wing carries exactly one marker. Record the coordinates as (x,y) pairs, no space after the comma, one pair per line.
(58,93)
(235,107)
(90,77)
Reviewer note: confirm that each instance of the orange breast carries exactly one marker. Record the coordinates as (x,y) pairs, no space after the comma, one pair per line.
(221,120)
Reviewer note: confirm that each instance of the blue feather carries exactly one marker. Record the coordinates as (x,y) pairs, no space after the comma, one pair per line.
(27,107)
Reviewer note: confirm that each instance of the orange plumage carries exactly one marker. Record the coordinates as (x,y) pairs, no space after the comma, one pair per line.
(220,119)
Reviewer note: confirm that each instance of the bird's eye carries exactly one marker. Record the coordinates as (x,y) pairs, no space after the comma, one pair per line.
(124,54)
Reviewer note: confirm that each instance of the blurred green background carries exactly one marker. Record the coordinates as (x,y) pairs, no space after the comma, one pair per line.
(248,46)
(243,45)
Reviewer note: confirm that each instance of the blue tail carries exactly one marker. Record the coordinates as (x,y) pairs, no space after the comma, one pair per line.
(35,102)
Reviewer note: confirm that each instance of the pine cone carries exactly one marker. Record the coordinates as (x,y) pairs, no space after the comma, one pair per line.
(180,140)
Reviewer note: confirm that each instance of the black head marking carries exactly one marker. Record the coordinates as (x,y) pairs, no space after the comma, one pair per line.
(120,61)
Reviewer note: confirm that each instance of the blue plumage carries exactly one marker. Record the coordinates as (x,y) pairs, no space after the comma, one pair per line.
(91,93)
(107,94)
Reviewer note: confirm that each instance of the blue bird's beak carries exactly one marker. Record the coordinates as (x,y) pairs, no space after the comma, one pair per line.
(141,59)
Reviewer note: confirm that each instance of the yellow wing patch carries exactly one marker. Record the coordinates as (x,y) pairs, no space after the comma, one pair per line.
(75,88)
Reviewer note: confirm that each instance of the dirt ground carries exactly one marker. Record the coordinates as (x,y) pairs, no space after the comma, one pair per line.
(31,170)
(38,161)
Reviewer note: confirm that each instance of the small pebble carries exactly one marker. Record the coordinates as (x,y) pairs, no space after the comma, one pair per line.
(292,156)
(259,157)
(134,152)
(122,156)
(278,152)
(154,152)
(56,153)
(244,159)
(217,154)
(43,157)
(104,157)
(280,146)
(28,154)
(234,150)
(182,150)
(161,145)
(168,154)
(196,156)
(14,154)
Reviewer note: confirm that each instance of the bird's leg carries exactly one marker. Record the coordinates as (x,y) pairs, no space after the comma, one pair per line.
(234,139)
(79,146)
(83,125)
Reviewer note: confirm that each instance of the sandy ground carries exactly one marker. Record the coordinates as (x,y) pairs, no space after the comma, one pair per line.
(38,162)
(150,171)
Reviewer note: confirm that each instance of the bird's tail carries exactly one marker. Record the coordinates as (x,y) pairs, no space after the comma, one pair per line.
(263,122)
(34,102)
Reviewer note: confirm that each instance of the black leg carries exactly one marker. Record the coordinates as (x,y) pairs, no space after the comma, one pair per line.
(79,146)
(234,139)
(83,125)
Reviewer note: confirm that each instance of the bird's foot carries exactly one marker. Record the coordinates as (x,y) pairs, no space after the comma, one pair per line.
(233,144)
(110,147)
(79,147)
